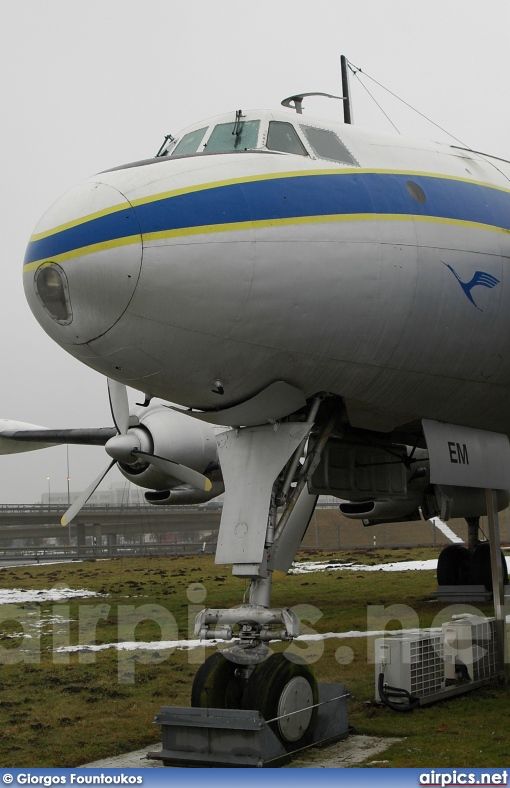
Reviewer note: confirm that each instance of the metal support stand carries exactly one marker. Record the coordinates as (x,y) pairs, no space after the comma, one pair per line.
(238,737)
(497,583)
(465,593)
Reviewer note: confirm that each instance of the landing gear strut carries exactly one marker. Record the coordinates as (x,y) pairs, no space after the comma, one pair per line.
(263,472)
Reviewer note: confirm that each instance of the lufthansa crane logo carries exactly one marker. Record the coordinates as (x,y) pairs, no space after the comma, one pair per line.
(479,279)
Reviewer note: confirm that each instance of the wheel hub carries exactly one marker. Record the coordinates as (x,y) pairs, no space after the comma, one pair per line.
(297,696)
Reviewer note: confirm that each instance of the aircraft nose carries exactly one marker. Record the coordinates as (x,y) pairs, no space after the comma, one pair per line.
(82,263)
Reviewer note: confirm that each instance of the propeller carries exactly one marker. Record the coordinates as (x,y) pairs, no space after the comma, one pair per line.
(126,447)
(119,405)
(83,498)
(181,472)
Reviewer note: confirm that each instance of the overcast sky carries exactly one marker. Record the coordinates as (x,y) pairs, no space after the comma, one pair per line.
(87,86)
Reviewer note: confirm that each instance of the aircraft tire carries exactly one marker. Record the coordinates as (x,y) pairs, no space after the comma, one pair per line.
(216,686)
(278,685)
(454,566)
(481,572)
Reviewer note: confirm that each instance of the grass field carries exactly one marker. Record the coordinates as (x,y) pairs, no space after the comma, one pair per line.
(72,708)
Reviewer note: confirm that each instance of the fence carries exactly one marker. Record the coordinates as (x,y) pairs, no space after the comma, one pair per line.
(328,530)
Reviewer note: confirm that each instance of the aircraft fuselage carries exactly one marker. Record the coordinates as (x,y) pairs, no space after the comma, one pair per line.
(379,279)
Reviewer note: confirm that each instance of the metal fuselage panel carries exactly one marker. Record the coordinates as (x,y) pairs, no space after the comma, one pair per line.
(262,267)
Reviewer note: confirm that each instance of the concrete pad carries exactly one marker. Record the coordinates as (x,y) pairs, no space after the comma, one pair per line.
(349,752)
(131,760)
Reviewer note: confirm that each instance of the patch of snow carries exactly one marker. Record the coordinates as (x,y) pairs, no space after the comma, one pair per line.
(356,633)
(17,596)
(35,563)
(164,645)
(305,567)
(445,530)
(154,645)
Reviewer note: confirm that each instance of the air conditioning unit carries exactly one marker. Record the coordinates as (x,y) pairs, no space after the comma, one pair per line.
(470,649)
(426,665)
(411,664)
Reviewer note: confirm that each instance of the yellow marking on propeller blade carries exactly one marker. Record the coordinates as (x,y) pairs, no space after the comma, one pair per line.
(63,521)
(208,484)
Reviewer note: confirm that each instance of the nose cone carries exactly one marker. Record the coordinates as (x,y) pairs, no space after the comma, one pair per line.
(82,263)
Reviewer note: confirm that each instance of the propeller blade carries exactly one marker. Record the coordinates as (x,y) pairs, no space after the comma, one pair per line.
(119,405)
(181,472)
(83,498)
(80,437)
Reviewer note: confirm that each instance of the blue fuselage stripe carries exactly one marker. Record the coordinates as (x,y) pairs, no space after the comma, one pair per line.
(105,228)
(286,198)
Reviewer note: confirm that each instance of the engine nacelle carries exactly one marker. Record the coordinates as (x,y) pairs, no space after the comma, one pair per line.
(436,501)
(364,472)
(380,483)
(176,437)
(375,512)
(183,496)
(446,502)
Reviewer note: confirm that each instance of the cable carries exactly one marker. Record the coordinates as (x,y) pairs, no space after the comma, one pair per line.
(386,692)
(355,70)
(307,708)
(376,102)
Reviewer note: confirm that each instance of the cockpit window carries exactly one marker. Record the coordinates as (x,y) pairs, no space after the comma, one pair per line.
(50,284)
(283,137)
(326,145)
(189,143)
(233,136)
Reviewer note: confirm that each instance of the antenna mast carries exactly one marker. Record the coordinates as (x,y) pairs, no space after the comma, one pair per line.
(345,90)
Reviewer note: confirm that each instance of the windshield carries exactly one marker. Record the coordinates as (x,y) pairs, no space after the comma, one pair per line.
(233,136)
(283,137)
(189,143)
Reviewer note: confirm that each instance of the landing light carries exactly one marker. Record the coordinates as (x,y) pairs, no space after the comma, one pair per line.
(51,287)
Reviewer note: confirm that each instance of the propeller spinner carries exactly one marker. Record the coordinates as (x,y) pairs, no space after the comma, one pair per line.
(126,447)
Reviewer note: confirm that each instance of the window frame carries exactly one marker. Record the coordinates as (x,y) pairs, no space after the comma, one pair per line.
(188,133)
(213,128)
(315,155)
(297,130)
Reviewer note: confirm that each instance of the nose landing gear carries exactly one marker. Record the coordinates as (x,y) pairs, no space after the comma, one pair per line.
(249,708)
